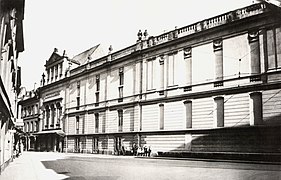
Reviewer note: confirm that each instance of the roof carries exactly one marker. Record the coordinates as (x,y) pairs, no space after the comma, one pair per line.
(86,55)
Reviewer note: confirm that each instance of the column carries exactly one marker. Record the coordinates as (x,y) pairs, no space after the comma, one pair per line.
(253,38)
(217,46)
(188,113)
(188,65)
(219,111)
(256,108)
(161,61)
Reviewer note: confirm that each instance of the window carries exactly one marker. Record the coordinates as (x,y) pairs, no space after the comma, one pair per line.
(56,71)
(121,76)
(77,124)
(60,69)
(150,74)
(52,73)
(97,122)
(29,110)
(121,83)
(78,96)
(171,69)
(53,116)
(78,88)
(273,41)
(97,82)
(78,103)
(47,117)
(97,97)
(120,120)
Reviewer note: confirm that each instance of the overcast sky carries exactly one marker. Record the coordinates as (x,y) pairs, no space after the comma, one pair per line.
(76,26)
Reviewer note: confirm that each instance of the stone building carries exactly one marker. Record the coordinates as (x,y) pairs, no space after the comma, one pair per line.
(11,43)
(29,107)
(209,88)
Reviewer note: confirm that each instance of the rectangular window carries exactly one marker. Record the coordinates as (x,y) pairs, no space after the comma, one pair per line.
(77,124)
(150,75)
(52,73)
(120,120)
(97,97)
(121,92)
(60,69)
(271,49)
(97,82)
(121,83)
(121,76)
(78,103)
(47,118)
(97,122)
(78,88)
(171,69)
(78,96)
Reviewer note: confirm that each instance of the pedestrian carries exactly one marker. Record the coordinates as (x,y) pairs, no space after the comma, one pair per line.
(135,148)
(149,151)
(145,150)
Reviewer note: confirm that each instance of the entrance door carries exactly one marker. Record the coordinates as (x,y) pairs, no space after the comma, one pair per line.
(95,145)
(118,145)
(77,145)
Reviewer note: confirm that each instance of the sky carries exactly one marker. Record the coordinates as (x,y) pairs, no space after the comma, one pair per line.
(76,26)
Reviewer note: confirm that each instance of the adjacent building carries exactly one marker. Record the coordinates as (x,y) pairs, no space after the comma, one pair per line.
(11,43)
(209,87)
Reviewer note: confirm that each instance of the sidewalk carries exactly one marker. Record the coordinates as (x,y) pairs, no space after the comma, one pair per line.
(29,167)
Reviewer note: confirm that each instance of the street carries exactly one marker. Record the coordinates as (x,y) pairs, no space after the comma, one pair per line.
(46,165)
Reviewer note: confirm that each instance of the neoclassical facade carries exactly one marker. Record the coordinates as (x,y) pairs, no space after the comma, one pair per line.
(209,87)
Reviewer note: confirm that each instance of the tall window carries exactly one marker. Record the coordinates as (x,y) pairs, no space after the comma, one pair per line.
(60,69)
(78,96)
(77,124)
(120,120)
(273,42)
(150,74)
(97,122)
(121,83)
(47,117)
(97,82)
(171,69)
(97,89)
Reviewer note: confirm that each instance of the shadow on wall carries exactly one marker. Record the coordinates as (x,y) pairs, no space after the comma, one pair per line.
(239,142)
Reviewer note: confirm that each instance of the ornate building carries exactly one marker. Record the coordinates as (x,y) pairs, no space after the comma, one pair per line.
(209,88)
(11,43)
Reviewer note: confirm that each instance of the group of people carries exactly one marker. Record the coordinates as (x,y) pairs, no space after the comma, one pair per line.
(141,151)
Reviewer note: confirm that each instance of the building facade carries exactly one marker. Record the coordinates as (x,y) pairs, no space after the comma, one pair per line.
(30,115)
(210,87)
(11,43)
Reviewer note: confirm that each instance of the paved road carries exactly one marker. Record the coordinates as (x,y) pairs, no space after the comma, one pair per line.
(102,167)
